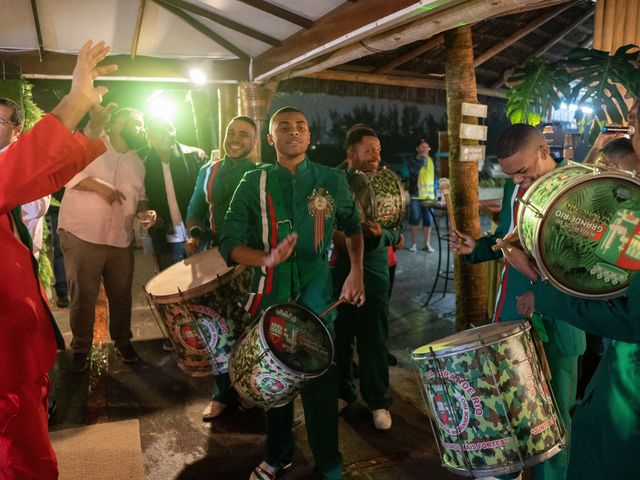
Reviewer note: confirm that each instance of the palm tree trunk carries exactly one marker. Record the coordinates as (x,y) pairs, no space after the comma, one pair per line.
(470,281)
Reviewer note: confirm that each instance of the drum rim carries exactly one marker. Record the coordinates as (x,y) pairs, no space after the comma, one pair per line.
(384,170)
(518,327)
(568,186)
(266,346)
(198,291)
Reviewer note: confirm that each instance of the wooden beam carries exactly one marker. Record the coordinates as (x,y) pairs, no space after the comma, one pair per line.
(341,21)
(425,26)
(279,12)
(202,28)
(514,37)
(430,44)
(36,21)
(136,31)
(59,65)
(225,22)
(394,80)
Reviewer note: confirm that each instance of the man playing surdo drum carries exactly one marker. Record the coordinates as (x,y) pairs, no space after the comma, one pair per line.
(280,223)
(524,156)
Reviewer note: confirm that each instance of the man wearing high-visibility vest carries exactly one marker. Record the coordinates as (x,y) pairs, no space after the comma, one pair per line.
(423,175)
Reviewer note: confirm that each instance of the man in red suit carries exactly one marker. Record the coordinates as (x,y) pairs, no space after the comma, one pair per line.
(40,162)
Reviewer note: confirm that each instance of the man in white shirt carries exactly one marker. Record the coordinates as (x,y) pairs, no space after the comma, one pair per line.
(96,233)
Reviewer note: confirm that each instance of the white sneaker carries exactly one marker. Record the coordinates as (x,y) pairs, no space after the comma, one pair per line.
(428,248)
(414,248)
(382,419)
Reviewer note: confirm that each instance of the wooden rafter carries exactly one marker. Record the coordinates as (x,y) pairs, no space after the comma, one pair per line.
(202,28)
(393,80)
(36,21)
(514,37)
(279,12)
(136,31)
(430,44)
(225,22)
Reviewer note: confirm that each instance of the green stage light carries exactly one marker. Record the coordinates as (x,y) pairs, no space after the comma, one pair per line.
(159,105)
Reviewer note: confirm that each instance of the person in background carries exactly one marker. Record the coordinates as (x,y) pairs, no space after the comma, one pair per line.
(171,170)
(96,232)
(214,189)
(423,178)
(60,276)
(37,164)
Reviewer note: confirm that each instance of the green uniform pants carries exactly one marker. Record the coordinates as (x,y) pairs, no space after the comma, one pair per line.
(223,392)
(368,324)
(320,402)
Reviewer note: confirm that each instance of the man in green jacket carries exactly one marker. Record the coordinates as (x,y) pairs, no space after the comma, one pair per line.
(524,156)
(214,189)
(280,223)
(367,324)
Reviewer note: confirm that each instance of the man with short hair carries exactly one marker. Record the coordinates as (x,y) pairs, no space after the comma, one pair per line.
(36,164)
(96,232)
(171,170)
(524,156)
(210,201)
(369,324)
(280,222)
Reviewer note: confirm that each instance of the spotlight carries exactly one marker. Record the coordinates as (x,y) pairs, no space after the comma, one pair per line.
(161,106)
(197,76)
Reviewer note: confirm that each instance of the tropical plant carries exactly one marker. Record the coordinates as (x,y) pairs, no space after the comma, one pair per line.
(586,76)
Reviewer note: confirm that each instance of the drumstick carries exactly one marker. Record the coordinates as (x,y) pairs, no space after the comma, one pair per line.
(513,238)
(444,189)
(332,307)
(544,362)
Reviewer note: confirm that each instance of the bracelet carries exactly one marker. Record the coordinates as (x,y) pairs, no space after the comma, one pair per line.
(195,231)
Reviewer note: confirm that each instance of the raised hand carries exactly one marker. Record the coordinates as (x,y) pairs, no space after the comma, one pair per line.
(87,70)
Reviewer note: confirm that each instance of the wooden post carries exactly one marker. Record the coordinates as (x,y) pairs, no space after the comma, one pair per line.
(255,101)
(202,116)
(227,109)
(470,280)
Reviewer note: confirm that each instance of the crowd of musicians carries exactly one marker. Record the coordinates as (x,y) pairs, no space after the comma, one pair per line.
(282,220)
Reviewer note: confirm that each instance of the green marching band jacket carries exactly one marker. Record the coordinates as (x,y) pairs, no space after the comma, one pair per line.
(271,203)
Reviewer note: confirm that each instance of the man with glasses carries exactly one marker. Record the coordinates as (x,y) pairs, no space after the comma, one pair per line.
(524,156)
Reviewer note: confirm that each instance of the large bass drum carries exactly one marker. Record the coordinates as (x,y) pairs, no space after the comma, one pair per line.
(379,197)
(581,224)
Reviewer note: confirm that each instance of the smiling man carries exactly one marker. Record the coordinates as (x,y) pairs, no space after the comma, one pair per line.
(280,222)
(524,156)
(213,192)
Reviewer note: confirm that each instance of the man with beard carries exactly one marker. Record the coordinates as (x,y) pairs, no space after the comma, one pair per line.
(524,156)
(367,324)
(214,189)
(96,232)
(171,171)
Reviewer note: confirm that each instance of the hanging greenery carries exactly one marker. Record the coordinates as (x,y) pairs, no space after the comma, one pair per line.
(586,76)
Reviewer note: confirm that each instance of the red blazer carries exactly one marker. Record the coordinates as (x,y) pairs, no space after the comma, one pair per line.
(40,162)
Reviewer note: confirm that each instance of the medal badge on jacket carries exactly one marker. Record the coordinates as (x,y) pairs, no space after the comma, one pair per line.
(320,207)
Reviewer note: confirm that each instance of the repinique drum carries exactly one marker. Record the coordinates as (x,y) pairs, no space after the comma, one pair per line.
(581,224)
(491,404)
(285,349)
(379,196)
(200,302)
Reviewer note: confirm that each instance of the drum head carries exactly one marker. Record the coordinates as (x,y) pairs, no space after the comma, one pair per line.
(590,237)
(200,270)
(298,338)
(470,339)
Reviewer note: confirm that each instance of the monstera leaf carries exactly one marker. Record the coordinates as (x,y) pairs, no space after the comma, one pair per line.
(595,74)
(537,87)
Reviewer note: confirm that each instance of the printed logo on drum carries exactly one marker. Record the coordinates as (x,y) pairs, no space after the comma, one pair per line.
(452,410)
(268,385)
(212,314)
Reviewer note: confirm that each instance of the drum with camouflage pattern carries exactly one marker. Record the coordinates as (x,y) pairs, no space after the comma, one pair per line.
(200,302)
(486,393)
(285,349)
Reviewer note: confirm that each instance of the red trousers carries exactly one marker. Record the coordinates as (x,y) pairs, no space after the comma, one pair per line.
(25,449)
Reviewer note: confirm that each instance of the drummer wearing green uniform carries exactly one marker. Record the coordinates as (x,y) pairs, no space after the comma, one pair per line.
(210,200)
(524,156)
(280,222)
(367,324)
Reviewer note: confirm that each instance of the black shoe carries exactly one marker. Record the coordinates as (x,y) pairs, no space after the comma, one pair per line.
(392,360)
(63,302)
(127,353)
(78,363)
(167,346)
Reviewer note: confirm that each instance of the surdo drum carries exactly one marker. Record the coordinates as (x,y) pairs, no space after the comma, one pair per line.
(488,398)
(379,196)
(199,300)
(581,224)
